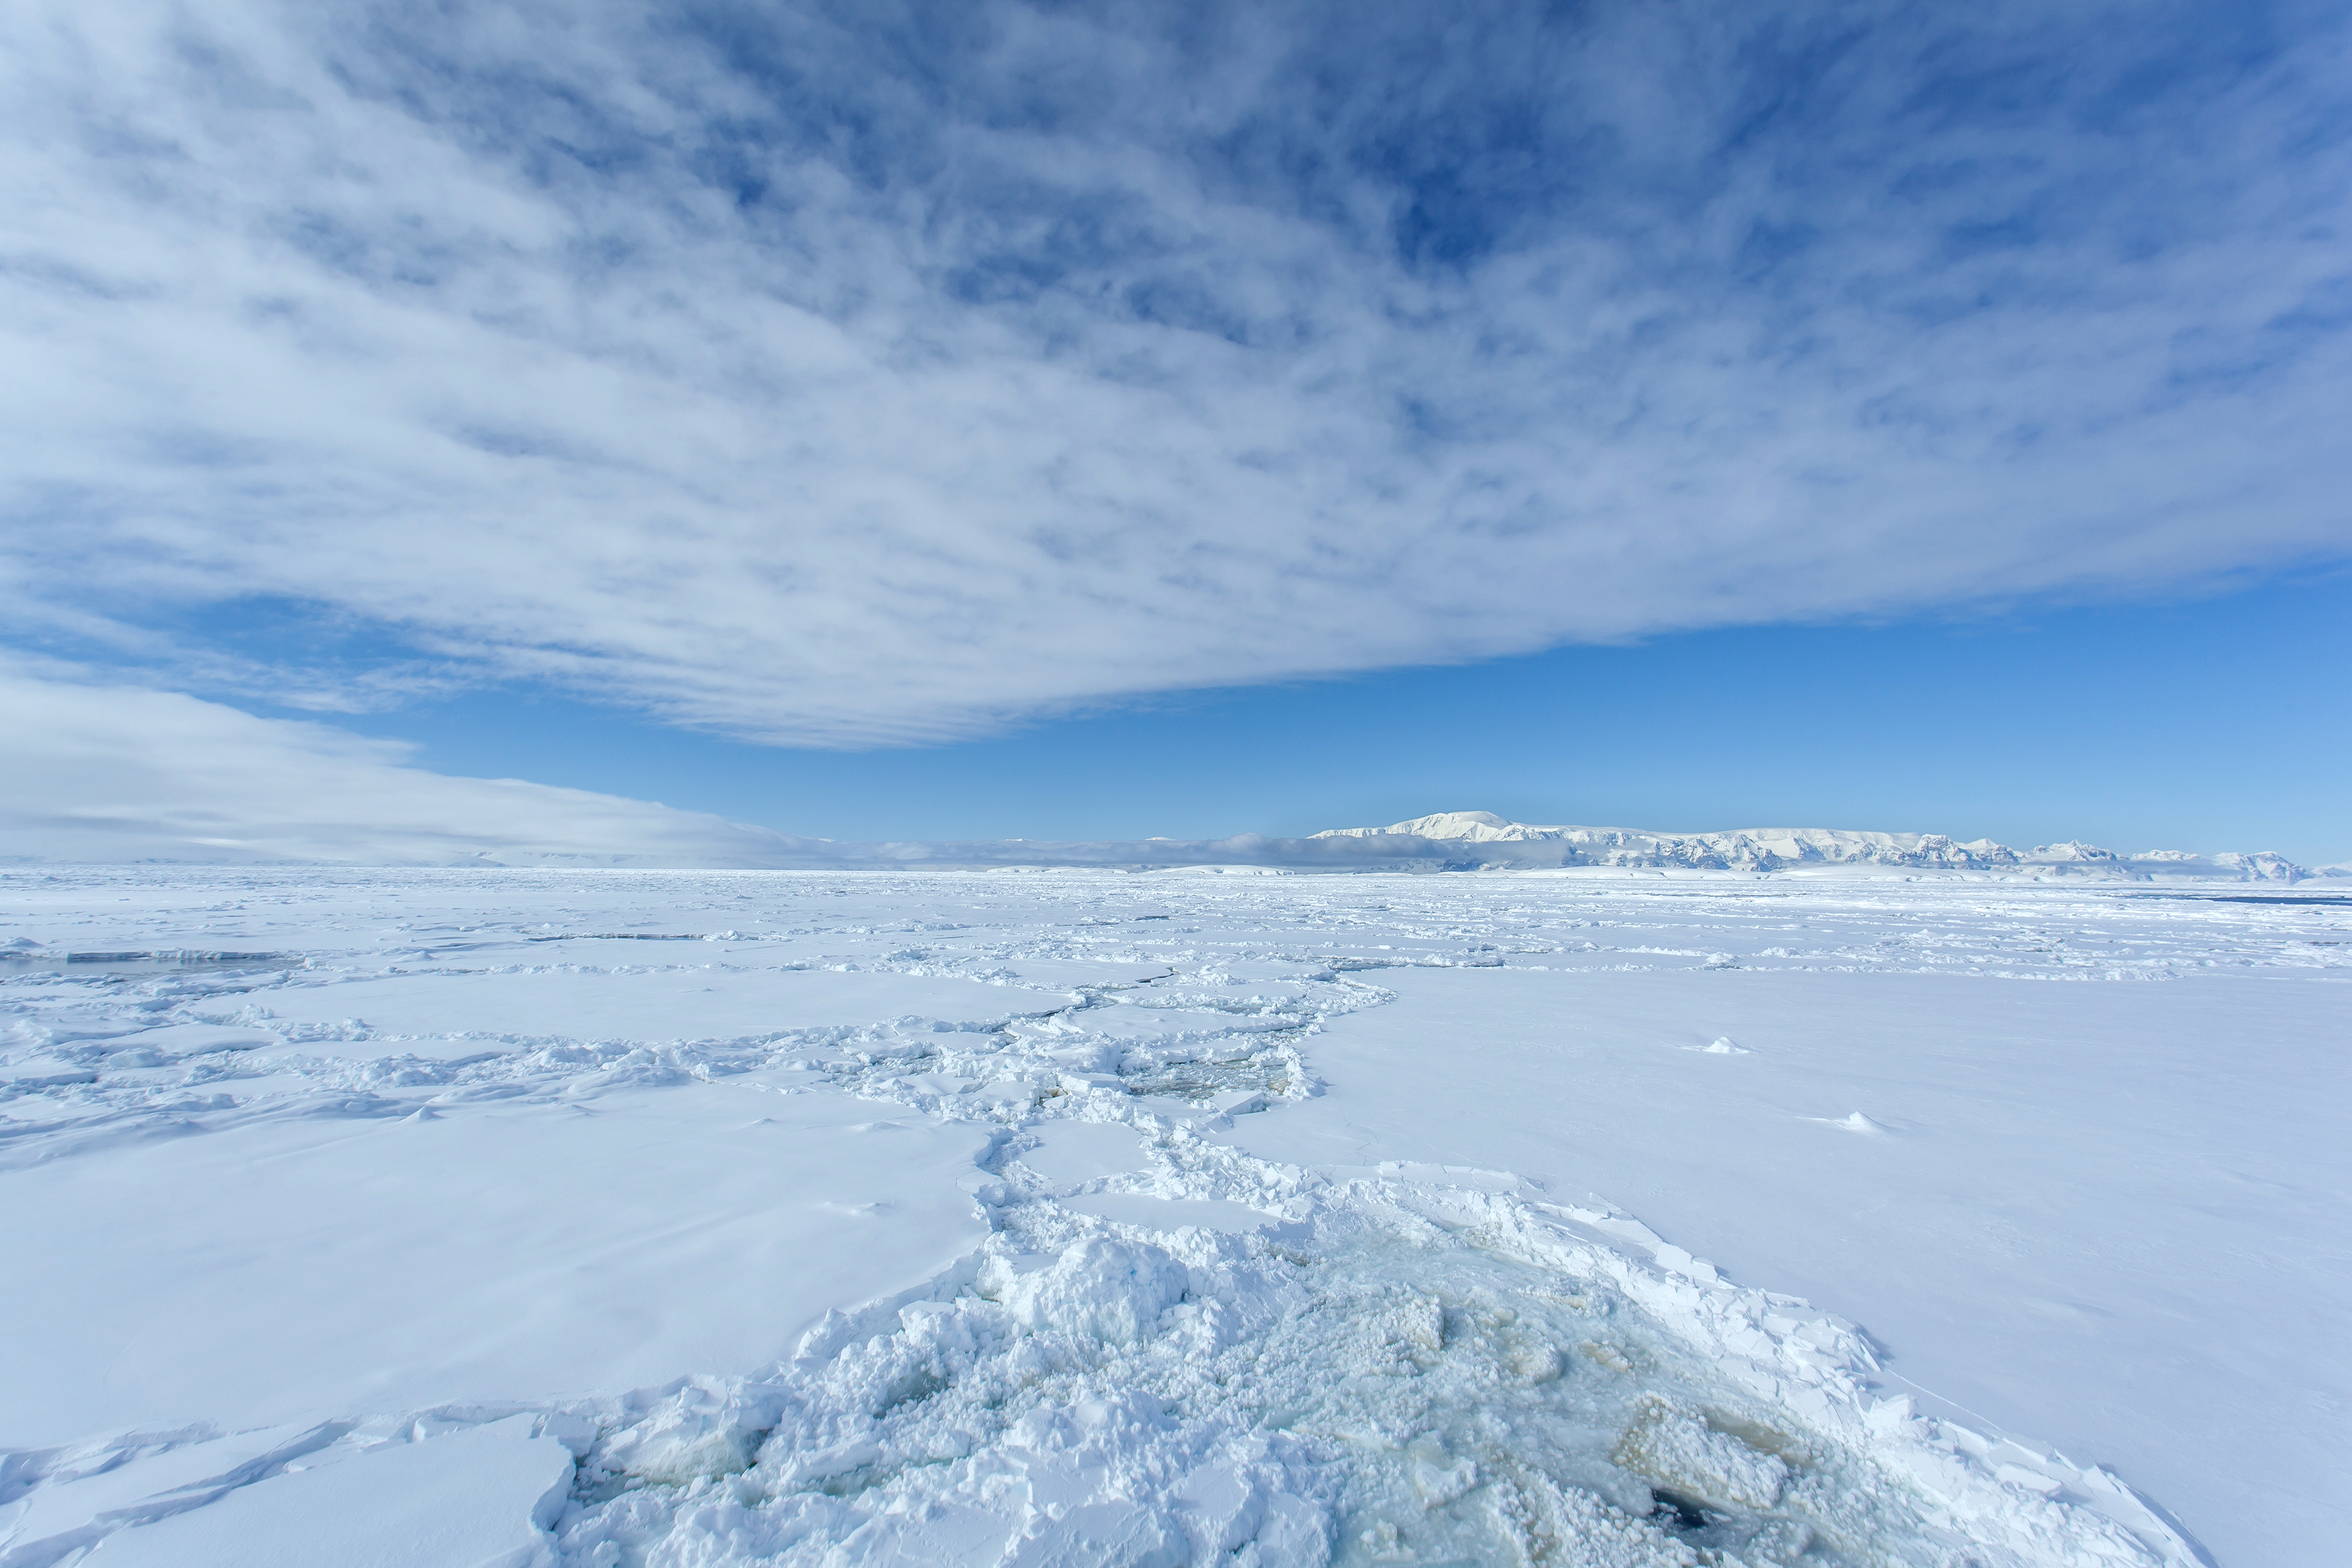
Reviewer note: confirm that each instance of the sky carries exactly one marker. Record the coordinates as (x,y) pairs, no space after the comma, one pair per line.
(2208,724)
(1092,421)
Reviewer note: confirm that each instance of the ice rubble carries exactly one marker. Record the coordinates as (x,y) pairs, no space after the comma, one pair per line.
(1399,1371)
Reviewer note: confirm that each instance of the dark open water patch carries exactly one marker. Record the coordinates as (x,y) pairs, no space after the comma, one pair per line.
(2279,898)
(1678,1513)
(2344,900)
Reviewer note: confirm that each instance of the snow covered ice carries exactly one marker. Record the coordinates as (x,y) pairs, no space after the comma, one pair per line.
(1587,1217)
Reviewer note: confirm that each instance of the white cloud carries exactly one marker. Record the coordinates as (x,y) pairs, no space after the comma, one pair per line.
(101,772)
(881,382)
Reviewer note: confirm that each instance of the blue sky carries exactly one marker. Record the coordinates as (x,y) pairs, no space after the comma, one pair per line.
(1079,419)
(2200,724)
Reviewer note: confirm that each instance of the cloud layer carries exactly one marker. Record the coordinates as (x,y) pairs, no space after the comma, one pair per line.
(103,772)
(845,374)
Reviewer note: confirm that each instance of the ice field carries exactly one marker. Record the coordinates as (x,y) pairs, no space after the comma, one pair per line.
(433,1219)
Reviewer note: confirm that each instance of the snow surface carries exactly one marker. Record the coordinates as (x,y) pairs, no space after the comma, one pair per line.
(605,1217)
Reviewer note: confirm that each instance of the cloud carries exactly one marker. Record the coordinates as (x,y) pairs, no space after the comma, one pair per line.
(104,772)
(856,375)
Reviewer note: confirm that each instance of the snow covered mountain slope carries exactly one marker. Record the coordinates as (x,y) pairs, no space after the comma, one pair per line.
(1787,848)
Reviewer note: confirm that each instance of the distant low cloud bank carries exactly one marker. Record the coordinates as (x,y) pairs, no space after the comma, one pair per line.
(100,772)
(104,772)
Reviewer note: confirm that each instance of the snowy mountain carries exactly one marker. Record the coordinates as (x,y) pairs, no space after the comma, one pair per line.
(1786,849)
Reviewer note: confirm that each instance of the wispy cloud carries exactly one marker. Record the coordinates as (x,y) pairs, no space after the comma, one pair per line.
(845,375)
(100,771)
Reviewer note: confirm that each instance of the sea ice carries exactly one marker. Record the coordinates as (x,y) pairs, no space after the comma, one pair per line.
(338,1259)
(959,1218)
(481,1497)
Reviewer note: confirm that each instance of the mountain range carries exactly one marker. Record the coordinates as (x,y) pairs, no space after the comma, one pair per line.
(1528,845)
